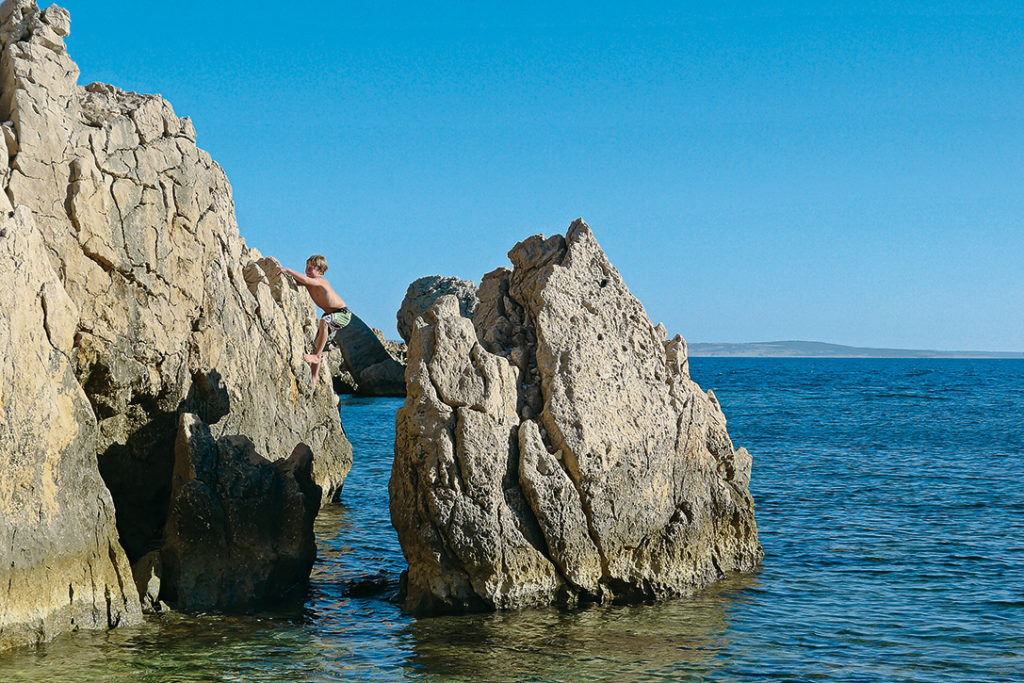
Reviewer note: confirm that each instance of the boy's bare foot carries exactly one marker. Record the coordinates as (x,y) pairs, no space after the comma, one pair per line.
(315,367)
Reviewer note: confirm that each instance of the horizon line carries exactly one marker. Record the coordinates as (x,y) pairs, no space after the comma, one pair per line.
(875,349)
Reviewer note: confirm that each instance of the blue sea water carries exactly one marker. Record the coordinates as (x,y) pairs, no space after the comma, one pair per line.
(890,503)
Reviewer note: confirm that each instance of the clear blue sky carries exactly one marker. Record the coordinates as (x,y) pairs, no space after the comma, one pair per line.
(797,172)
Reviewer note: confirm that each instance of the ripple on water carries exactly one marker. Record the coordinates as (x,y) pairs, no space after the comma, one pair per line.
(890,505)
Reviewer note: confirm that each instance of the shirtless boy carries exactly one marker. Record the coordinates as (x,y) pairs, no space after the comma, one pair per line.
(336,314)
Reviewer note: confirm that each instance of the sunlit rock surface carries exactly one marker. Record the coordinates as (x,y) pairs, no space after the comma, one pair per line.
(129,298)
(422,293)
(61,567)
(555,450)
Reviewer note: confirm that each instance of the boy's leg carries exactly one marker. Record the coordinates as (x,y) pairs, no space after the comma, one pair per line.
(321,338)
(315,367)
(319,344)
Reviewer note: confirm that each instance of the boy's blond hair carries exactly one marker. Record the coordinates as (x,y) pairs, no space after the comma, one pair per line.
(318,262)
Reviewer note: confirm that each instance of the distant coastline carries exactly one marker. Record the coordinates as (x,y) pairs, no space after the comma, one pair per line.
(806,349)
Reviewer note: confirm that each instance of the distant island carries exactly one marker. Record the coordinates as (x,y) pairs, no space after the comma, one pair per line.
(806,349)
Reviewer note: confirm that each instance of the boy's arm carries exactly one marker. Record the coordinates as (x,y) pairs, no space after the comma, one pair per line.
(296,275)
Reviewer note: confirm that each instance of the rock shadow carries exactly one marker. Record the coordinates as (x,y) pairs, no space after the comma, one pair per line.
(239,534)
(137,464)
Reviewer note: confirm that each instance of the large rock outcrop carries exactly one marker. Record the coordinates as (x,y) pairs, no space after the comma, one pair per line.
(344,379)
(228,501)
(422,293)
(60,563)
(141,302)
(374,370)
(555,448)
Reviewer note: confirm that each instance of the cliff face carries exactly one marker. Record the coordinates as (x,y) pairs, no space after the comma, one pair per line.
(555,448)
(138,302)
(60,564)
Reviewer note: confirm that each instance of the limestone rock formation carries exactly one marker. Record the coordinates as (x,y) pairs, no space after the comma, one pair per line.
(374,370)
(240,531)
(141,302)
(147,572)
(61,567)
(399,350)
(555,448)
(343,379)
(422,294)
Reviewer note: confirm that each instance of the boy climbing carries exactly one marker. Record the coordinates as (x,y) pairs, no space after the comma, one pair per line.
(336,314)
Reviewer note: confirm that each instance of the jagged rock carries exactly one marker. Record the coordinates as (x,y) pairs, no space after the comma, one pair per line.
(343,379)
(422,294)
(240,532)
(61,567)
(555,448)
(374,370)
(172,313)
(398,350)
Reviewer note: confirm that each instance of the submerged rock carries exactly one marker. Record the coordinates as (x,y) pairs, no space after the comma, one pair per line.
(138,302)
(555,448)
(374,585)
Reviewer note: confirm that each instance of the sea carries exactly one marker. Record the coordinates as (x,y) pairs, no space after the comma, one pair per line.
(890,504)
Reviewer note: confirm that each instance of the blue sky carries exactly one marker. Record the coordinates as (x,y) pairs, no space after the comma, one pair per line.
(756,172)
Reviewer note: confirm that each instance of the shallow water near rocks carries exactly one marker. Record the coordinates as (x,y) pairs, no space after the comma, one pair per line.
(890,503)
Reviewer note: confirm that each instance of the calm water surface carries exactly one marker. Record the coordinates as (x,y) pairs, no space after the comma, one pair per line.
(890,501)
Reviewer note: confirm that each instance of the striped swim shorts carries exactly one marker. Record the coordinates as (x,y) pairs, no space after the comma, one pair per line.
(337,319)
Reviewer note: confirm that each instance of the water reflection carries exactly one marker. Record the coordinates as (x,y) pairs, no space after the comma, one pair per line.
(170,647)
(670,639)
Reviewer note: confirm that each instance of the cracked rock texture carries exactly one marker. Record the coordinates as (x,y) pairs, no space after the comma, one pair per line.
(555,450)
(137,301)
(422,294)
(61,567)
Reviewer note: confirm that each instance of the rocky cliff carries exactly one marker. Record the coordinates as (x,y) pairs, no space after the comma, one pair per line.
(135,301)
(60,564)
(555,450)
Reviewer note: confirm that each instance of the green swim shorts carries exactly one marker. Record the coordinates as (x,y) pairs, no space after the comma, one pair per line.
(337,319)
